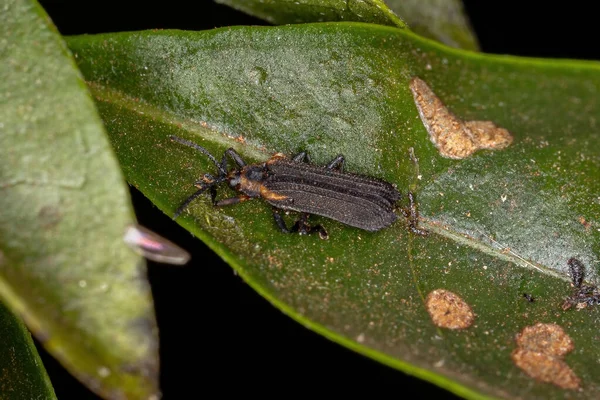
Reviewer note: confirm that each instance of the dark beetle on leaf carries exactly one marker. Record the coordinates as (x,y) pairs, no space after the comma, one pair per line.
(295,185)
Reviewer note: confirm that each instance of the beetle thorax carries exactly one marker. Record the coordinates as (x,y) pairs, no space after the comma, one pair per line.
(248,180)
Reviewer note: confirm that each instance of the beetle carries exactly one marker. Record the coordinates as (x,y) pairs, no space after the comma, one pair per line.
(293,184)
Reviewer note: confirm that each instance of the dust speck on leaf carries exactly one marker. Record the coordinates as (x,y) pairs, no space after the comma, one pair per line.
(454,137)
(49,216)
(360,338)
(448,310)
(103,372)
(539,353)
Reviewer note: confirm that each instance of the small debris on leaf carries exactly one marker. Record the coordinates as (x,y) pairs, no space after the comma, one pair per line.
(529,297)
(583,295)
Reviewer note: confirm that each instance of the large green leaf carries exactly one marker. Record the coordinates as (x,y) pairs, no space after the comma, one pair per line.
(503,222)
(442,20)
(65,208)
(22,374)
(294,12)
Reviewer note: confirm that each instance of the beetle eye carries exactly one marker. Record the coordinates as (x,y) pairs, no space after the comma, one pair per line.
(234,180)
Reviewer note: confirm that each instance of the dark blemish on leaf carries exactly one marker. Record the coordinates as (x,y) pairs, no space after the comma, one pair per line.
(529,297)
(454,137)
(539,353)
(448,310)
(49,216)
(583,295)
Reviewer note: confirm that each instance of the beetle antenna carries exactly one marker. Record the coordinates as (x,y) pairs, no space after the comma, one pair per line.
(202,189)
(200,149)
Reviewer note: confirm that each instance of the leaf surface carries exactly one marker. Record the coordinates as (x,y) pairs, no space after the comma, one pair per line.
(503,222)
(22,373)
(441,20)
(65,208)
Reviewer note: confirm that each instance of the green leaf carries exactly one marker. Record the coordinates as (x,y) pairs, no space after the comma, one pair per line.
(22,374)
(65,208)
(441,20)
(503,222)
(281,12)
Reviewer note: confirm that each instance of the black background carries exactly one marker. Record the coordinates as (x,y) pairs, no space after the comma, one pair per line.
(243,345)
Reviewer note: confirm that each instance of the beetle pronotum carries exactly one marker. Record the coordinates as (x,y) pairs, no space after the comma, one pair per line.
(296,185)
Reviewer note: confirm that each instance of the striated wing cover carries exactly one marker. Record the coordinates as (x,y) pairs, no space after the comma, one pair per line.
(354,200)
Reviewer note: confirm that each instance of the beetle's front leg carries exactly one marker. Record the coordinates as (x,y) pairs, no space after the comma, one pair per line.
(231,200)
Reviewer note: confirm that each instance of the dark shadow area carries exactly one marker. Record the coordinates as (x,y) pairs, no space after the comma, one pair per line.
(529,29)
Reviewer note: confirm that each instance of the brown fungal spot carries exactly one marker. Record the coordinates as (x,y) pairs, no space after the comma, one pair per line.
(545,368)
(539,353)
(448,310)
(454,137)
(488,135)
(545,338)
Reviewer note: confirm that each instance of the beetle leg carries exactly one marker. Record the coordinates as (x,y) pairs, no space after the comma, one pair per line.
(236,157)
(184,205)
(301,226)
(413,216)
(231,200)
(223,163)
(299,157)
(213,195)
(337,163)
(280,222)
(208,179)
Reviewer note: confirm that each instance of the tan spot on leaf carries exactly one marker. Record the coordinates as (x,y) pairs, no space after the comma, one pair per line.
(539,353)
(454,137)
(546,368)
(448,310)
(488,135)
(550,339)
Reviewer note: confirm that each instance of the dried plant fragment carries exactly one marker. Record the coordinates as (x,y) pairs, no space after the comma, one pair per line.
(454,137)
(448,310)
(583,295)
(539,353)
